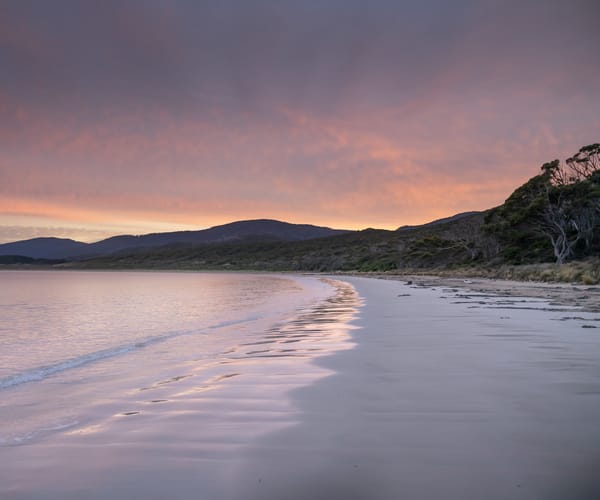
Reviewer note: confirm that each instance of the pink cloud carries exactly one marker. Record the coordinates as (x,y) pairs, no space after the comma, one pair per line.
(353,169)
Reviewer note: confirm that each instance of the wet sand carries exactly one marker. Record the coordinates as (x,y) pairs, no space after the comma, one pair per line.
(447,396)
(138,432)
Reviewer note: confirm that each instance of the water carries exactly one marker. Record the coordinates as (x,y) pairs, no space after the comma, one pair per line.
(54,321)
(79,350)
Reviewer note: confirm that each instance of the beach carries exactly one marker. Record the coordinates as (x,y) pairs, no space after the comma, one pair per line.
(150,385)
(583,297)
(421,391)
(446,397)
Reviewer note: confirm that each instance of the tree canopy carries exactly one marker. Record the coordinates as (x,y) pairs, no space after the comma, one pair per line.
(555,214)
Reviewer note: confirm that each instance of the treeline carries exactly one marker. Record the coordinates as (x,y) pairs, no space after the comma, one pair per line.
(554,215)
(20,260)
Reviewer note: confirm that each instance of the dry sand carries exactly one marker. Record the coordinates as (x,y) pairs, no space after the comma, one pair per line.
(585,297)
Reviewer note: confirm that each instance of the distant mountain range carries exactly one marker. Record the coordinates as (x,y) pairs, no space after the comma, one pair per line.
(535,225)
(443,243)
(240,231)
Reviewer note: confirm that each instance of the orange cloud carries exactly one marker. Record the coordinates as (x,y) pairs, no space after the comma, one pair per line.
(354,169)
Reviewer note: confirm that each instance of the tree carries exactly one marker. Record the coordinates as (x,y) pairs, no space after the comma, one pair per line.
(560,205)
(569,214)
(555,174)
(514,225)
(559,224)
(585,164)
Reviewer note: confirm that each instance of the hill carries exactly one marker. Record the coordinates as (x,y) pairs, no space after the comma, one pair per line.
(553,217)
(250,230)
(445,243)
(44,248)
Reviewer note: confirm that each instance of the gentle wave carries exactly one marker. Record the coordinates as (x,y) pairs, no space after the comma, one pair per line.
(20,439)
(43,372)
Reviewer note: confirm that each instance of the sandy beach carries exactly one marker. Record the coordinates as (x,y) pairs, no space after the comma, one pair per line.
(447,395)
(584,297)
(435,392)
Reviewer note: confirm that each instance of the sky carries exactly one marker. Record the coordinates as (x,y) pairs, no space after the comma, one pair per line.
(144,116)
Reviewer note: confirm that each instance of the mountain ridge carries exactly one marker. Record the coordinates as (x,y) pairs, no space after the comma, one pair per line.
(254,229)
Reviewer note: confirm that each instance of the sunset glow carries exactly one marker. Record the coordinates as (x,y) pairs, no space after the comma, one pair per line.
(146,116)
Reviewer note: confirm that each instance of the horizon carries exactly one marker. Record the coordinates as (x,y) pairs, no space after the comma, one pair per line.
(237,221)
(52,232)
(146,117)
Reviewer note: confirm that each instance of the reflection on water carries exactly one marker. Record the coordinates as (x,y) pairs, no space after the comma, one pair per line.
(265,364)
(74,344)
(55,321)
(323,328)
(190,425)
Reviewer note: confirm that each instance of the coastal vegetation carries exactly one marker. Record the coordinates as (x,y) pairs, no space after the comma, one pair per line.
(548,229)
(555,214)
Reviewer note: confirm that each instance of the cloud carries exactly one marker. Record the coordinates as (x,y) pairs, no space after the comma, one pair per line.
(343,113)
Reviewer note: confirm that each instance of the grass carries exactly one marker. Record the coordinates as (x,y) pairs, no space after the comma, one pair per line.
(586,271)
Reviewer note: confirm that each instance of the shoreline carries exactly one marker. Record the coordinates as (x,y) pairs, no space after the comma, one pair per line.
(571,293)
(445,398)
(586,297)
(178,411)
(436,394)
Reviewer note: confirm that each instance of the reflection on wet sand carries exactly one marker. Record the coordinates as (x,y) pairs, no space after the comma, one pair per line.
(187,427)
(444,398)
(265,367)
(313,331)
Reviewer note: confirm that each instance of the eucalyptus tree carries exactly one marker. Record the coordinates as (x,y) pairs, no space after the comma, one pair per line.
(560,205)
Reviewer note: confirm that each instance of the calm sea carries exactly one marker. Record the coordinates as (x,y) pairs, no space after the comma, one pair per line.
(79,347)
